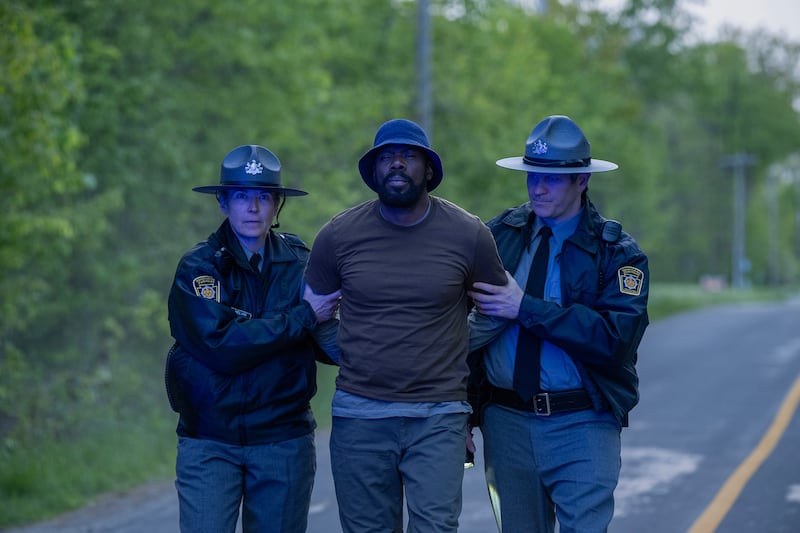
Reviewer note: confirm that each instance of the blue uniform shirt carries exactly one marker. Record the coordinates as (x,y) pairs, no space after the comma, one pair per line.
(558,372)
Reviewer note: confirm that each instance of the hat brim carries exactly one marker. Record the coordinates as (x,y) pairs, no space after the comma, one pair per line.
(213,189)
(517,163)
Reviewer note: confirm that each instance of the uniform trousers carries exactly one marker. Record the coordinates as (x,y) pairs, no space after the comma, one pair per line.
(271,482)
(539,468)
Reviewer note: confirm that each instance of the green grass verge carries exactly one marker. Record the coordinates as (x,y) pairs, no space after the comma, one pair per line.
(45,477)
(669,299)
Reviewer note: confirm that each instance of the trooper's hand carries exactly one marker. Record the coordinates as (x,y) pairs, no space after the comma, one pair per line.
(325,306)
(498,300)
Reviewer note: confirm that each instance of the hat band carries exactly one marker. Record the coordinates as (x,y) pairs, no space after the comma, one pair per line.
(250,184)
(535,161)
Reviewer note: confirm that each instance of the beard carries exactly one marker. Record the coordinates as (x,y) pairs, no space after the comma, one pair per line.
(403,199)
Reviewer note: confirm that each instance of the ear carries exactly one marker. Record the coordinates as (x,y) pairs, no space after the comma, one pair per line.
(223,205)
(583,181)
(428,172)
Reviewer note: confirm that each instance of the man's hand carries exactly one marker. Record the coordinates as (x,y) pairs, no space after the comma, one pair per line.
(325,306)
(498,300)
(470,440)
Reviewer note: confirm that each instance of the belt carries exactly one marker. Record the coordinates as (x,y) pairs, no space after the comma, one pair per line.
(544,403)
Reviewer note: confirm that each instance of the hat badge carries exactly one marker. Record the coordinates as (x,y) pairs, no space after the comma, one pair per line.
(539,147)
(253,167)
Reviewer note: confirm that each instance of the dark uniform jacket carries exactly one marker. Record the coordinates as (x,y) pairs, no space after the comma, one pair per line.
(242,368)
(603,314)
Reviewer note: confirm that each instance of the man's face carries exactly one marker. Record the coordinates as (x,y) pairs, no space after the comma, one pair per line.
(402,174)
(556,197)
(250,212)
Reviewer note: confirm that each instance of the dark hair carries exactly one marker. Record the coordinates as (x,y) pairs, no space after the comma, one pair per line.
(223,194)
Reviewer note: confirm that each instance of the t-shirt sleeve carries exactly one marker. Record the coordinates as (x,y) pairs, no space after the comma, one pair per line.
(322,274)
(488,266)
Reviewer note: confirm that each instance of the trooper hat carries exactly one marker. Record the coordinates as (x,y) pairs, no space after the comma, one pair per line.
(250,167)
(557,146)
(399,131)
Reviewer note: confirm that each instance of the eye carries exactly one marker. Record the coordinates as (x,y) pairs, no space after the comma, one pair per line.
(264,196)
(239,195)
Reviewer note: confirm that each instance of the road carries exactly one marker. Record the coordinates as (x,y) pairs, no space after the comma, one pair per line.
(714,384)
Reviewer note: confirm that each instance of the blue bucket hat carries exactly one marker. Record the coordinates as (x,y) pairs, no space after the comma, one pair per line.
(250,167)
(557,146)
(399,131)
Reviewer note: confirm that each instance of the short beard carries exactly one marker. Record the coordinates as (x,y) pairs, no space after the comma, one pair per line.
(406,199)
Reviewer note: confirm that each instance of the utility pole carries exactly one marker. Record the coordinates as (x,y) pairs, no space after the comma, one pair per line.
(424,67)
(738,164)
(783,176)
(789,175)
(793,178)
(773,226)
(796,182)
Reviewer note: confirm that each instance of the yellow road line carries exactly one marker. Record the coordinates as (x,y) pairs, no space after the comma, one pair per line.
(723,501)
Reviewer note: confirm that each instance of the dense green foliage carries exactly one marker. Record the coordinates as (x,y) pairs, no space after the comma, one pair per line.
(111,111)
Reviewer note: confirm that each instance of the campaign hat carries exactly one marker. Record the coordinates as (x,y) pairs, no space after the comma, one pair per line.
(250,166)
(557,146)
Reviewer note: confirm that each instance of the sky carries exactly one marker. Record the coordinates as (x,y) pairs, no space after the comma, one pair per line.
(777,16)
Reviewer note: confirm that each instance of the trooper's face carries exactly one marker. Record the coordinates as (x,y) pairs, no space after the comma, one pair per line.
(556,197)
(250,212)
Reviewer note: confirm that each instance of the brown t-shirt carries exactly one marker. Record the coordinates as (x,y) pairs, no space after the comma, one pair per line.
(403,329)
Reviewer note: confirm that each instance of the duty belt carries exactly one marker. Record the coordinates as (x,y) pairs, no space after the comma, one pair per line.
(544,403)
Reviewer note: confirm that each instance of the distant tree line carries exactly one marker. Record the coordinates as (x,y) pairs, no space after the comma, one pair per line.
(111,111)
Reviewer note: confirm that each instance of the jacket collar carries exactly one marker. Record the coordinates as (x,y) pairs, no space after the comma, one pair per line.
(518,217)
(586,236)
(277,251)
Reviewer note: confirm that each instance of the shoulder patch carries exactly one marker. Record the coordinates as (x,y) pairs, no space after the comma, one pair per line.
(206,287)
(630,280)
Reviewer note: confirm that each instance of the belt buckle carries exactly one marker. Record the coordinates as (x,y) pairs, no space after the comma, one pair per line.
(538,400)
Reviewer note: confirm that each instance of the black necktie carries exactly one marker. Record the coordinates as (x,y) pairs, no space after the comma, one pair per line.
(527,365)
(255,259)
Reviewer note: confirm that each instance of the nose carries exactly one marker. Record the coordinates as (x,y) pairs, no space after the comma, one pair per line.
(398,160)
(536,186)
(253,203)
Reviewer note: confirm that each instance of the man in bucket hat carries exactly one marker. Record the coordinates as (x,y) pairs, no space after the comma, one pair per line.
(403,263)
(557,365)
(241,372)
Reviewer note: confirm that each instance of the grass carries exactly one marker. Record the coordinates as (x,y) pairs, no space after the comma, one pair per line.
(44,478)
(669,299)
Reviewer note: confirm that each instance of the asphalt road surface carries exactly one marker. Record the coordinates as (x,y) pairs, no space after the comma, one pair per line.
(712,446)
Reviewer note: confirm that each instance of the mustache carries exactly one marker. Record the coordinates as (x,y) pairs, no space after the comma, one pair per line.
(397,174)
